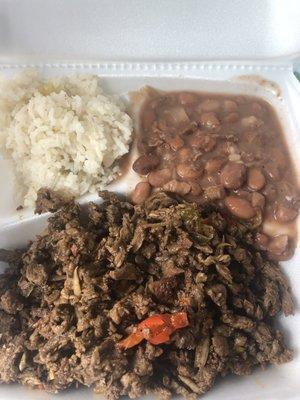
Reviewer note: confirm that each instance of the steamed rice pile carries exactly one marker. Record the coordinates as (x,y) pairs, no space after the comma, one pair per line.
(62,133)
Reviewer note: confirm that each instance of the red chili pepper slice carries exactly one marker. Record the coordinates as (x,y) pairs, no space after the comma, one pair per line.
(156,329)
(179,320)
(132,340)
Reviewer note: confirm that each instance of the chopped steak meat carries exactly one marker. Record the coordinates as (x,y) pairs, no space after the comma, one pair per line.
(10,256)
(48,200)
(87,284)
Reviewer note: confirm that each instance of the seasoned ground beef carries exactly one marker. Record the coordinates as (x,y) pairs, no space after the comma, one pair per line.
(49,200)
(85,285)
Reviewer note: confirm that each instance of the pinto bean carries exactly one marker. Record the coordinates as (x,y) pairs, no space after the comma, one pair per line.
(145,163)
(187,129)
(165,152)
(184,154)
(214,165)
(195,188)
(141,192)
(154,140)
(236,157)
(174,186)
(215,192)
(233,175)
(270,192)
(247,156)
(252,138)
(231,118)
(239,207)
(200,140)
(188,171)
(243,193)
(257,200)
(175,142)
(251,122)
(228,148)
(208,105)
(210,180)
(256,179)
(285,213)
(209,120)
(261,241)
(209,143)
(279,247)
(230,106)
(187,98)
(175,116)
(160,177)
(143,147)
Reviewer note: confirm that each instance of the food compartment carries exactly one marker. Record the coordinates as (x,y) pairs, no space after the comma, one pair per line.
(22,226)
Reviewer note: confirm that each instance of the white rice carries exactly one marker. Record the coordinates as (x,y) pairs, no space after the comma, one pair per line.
(62,133)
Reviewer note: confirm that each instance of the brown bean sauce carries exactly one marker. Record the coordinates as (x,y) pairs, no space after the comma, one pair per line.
(223,148)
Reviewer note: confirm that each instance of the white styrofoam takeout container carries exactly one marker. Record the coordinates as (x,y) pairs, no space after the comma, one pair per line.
(37,36)
(276,84)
